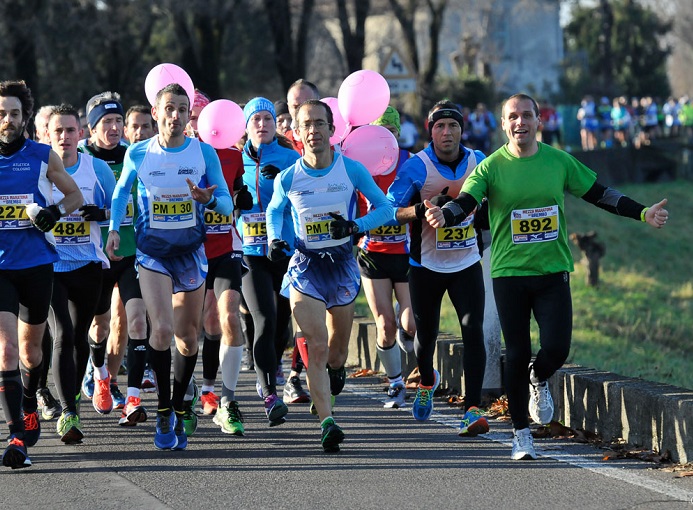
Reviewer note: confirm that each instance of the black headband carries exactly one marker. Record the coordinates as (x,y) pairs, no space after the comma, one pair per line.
(444,113)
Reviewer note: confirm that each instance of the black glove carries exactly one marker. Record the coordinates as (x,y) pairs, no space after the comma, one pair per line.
(420,210)
(46,218)
(278,250)
(244,199)
(449,217)
(341,228)
(269,171)
(92,212)
(441,199)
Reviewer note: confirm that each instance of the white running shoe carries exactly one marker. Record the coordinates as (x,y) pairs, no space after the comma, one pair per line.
(396,396)
(540,400)
(523,445)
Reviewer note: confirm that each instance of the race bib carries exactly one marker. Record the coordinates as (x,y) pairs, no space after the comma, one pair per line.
(72,230)
(254,229)
(315,225)
(171,208)
(13,211)
(216,223)
(388,234)
(459,237)
(534,225)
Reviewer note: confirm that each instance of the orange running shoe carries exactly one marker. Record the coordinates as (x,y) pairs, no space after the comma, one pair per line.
(209,402)
(133,413)
(102,400)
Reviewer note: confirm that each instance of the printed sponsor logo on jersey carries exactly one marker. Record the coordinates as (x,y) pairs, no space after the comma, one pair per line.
(304,192)
(156,173)
(516,215)
(186,170)
(337,187)
(21,166)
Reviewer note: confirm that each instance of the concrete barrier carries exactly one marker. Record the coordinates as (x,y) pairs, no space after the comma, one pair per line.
(652,415)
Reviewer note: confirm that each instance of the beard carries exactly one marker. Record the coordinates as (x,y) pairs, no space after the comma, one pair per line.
(10,133)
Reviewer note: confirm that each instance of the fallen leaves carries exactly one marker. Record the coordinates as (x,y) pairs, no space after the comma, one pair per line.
(364,372)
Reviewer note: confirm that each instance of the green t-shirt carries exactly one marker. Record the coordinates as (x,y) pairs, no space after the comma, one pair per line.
(526,208)
(114,158)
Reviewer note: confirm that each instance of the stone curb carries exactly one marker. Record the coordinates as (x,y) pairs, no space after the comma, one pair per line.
(651,415)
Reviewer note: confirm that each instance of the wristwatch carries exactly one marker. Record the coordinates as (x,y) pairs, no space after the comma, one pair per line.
(61,208)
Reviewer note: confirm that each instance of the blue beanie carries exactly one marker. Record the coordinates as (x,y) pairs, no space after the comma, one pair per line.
(258,104)
(100,110)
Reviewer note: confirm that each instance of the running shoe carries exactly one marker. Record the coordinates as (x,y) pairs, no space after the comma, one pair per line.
(396,394)
(294,392)
(118,397)
(165,434)
(523,445)
(88,380)
(32,428)
(337,379)
(102,400)
(148,381)
(314,410)
(50,408)
(258,388)
(473,423)
(423,403)
(68,428)
(331,436)
(404,339)
(540,400)
(281,380)
(179,429)
(133,413)
(209,402)
(276,410)
(15,455)
(123,368)
(190,399)
(230,419)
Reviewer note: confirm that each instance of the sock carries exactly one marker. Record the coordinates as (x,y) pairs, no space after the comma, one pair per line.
(183,368)
(30,379)
(391,359)
(210,358)
(133,392)
(136,361)
(11,401)
(161,364)
(98,352)
(230,359)
(101,373)
(207,388)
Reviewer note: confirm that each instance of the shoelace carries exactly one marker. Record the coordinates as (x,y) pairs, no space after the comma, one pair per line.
(16,442)
(31,421)
(235,413)
(424,396)
(523,439)
(541,395)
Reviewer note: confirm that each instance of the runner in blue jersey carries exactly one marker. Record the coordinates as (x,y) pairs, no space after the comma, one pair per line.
(323,277)
(177,178)
(28,213)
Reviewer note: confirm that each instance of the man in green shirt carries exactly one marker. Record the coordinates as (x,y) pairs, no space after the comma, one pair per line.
(525,182)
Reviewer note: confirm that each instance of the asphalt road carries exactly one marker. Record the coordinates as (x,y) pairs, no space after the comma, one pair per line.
(388,461)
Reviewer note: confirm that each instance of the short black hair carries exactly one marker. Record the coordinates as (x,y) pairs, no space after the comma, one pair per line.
(66,109)
(18,89)
(176,90)
(138,108)
(317,102)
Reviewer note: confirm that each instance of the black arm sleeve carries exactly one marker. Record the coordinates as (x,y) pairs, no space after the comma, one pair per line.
(458,209)
(613,201)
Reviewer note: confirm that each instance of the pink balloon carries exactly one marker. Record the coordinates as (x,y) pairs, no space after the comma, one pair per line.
(340,125)
(165,74)
(373,146)
(221,123)
(363,97)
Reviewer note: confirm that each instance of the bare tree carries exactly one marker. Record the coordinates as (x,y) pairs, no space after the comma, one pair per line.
(353,40)
(426,73)
(289,51)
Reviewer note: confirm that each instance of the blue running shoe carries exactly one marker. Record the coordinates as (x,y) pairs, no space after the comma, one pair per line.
(88,381)
(181,436)
(15,455)
(165,435)
(276,410)
(473,423)
(423,403)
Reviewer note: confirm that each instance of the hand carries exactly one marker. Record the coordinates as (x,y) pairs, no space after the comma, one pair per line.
(438,217)
(341,228)
(112,245)
(441,199)
(243,198)
(201,195)
(269,171)
(46,218)
(656,215)
(278,250)
(92,212)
